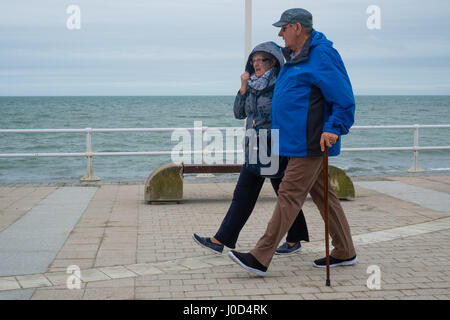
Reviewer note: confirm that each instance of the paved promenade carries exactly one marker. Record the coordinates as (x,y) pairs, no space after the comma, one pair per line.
(127,249)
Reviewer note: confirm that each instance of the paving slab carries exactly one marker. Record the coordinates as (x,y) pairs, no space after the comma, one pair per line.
(117,272)
(143,269)
(426,198)
(57,278)
(9,283)
(170,266)
(89,275)
(193,263)
(33,281)
(31,243)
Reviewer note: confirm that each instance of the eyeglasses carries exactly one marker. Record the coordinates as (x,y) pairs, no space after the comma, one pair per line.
(259,60)
(283,28)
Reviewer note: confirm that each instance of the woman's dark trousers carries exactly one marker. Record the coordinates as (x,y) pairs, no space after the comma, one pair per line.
(245,195)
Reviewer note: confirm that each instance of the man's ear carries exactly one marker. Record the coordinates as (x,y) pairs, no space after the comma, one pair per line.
(299,28)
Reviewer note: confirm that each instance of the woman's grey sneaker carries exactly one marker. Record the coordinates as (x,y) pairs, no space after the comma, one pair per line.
(248,262)
(206,242)
(286,249)
(322,263)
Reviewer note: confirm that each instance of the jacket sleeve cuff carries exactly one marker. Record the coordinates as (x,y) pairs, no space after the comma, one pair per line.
(330,128)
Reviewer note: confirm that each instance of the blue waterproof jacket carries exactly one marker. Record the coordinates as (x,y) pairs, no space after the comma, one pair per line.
(312,94)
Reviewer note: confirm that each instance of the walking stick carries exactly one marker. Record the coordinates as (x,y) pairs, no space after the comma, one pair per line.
(325,191)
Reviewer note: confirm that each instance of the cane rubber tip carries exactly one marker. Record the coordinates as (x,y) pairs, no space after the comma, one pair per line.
(328,283)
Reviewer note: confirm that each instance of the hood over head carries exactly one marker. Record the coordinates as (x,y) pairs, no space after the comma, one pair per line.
(268,47)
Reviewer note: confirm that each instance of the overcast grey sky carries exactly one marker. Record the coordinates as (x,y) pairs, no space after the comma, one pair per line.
(174,47)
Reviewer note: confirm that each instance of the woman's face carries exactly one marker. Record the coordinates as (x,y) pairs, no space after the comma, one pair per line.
(261,64)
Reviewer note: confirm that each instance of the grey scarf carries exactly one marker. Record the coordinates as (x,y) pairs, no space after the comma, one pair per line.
(261,82)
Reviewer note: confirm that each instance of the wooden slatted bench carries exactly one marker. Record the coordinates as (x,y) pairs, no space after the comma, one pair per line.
(214,168)
(165,183)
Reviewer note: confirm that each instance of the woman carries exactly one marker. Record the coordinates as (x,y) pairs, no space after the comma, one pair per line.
(253,101)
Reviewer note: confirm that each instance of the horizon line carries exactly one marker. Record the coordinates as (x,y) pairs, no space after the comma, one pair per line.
(201,95)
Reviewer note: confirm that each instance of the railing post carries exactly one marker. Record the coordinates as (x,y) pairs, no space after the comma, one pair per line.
(204,143)
(415,167)
(89,176)
(204,155)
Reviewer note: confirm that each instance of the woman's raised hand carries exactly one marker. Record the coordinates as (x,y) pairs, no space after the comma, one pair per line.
(244,81)
(245,76)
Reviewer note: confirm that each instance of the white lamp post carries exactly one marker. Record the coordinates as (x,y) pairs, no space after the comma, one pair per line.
(248,28)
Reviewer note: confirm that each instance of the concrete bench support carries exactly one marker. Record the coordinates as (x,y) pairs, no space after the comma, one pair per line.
(341,183)
(165,184)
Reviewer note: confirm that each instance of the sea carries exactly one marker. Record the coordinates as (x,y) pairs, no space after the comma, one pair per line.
(186,112)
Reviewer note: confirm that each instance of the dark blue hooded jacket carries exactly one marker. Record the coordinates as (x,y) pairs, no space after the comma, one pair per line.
(313,94)
(255,105)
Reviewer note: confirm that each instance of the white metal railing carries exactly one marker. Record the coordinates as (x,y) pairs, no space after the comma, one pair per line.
(89,154)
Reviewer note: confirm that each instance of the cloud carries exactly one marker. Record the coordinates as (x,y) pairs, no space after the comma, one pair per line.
(200,45)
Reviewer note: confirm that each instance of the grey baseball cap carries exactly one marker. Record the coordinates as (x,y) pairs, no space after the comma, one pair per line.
(295,15)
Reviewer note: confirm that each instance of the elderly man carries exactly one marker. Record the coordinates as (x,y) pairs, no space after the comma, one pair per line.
(313,105)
